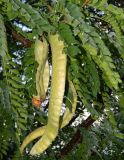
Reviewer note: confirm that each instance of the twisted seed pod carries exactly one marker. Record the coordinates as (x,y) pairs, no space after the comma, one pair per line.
(39,131)
(41,55)
(56,97)
(69,113)
(46,76)
(33,135)
(66,119)
(45,80)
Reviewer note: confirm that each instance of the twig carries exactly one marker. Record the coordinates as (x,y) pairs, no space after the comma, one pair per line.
(25,42)
(77,138)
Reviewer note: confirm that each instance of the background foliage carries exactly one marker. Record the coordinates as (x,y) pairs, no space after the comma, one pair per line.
(93,32)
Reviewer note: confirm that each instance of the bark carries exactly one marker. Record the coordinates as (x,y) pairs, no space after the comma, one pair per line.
(18,37)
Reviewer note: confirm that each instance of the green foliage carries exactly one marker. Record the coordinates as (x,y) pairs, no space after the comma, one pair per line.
(108,111)
(14,86)
(3,44)
(6,123)
(30,67)
(84,149)
(17,99)
(108,146)
(29,16)
(114,17)
(94,44)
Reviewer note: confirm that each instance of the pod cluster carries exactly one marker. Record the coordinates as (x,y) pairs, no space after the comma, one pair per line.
(59,67)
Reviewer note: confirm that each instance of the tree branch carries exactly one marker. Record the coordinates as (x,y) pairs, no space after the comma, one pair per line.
(77,138)
(25,42)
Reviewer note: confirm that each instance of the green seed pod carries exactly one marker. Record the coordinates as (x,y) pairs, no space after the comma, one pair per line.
(70,112)
(41,55)
(46,76)
(56,97)
(65,120)
(33,135)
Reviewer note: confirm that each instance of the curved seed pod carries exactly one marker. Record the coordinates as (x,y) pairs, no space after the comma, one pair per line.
(69,113)
(38,51)
(36,101)
(33,135)
(39,131)
(46,76)
(41,55)
(65,120)
(56,97)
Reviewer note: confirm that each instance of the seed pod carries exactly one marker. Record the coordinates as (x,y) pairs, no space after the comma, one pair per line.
(65,120)
(70,112)
(46,76)
(56,97)
(41,55)
(33,135)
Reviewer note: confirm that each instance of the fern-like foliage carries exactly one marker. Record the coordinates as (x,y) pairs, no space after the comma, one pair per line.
(6,121)
(94,45)
(93,49)
(29,16)
(5,107)
(114,17)
(30,67)
(3,43)
(14,85)
(110,114)
(80,69)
